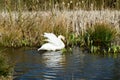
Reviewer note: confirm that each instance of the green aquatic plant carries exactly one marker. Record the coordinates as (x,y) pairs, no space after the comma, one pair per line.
(71,40)
(100,35)
(74,40)
(67,50)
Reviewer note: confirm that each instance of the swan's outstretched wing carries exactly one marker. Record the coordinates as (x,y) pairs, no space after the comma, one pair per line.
(51,38)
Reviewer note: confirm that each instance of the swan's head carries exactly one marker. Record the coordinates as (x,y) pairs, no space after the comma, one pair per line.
(61,37)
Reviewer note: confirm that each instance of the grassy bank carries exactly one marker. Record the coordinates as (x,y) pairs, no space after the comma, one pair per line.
(6,78)
(25,28)
(5,68)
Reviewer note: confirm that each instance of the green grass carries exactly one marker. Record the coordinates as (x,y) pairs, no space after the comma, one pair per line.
(101,34)
(5,69)
(100,37)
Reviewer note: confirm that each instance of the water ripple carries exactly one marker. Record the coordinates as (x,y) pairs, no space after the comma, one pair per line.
(56,66)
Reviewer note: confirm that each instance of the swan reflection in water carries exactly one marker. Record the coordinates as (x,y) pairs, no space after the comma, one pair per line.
(54,64)
(53,59)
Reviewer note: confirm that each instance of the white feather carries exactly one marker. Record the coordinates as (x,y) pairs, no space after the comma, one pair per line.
(54,42)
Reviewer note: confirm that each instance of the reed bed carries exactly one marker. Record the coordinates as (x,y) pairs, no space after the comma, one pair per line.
(38,5)
(26,28)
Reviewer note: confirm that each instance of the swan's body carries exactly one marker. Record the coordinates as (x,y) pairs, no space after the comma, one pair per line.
(54,42)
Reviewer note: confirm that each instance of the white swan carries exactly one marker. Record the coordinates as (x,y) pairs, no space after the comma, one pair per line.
(54,42)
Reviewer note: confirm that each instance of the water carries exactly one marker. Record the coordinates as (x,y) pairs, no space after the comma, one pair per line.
(33,65)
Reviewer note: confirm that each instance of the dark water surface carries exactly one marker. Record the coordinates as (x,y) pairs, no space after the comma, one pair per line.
(33,65)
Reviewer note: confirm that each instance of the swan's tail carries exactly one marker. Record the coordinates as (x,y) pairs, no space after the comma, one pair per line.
(39,49)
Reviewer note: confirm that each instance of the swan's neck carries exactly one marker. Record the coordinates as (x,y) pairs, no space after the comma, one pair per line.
(62,44)
(60,37)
